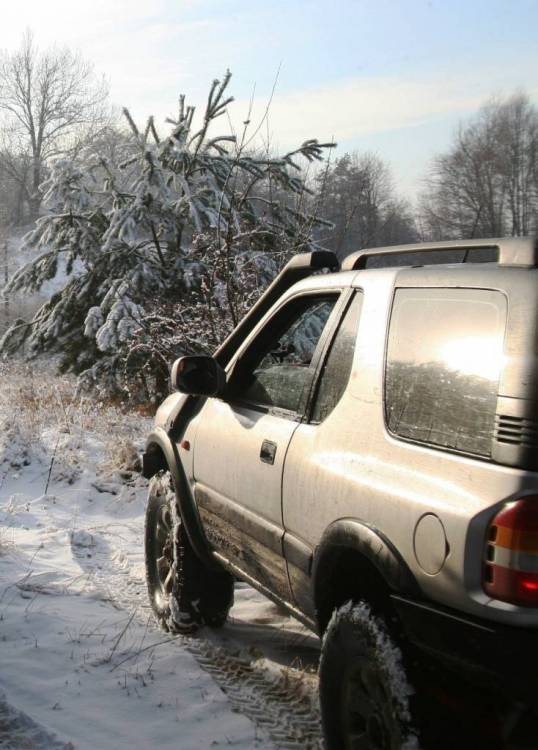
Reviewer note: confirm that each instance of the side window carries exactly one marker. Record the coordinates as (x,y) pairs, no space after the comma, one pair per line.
(443,366)
(277,367)
(337,368)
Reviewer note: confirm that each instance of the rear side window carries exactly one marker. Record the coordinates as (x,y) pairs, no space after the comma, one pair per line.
(337,367)
(443,366)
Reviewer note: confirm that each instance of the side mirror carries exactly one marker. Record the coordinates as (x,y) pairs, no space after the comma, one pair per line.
(198,375)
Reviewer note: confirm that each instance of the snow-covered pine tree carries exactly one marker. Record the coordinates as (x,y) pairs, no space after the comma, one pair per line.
(165,255)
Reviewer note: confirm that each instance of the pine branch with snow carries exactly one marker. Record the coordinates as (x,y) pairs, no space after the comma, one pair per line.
(164,249)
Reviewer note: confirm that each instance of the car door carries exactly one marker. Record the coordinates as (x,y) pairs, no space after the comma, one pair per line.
(242,441)
(316,465)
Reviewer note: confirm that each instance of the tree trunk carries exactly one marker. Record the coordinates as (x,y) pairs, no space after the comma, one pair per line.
(35,197)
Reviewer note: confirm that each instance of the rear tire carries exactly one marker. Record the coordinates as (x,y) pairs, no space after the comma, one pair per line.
(364,691)
(184,592)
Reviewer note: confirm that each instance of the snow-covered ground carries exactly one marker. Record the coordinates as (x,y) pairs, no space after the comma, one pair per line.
(82,664)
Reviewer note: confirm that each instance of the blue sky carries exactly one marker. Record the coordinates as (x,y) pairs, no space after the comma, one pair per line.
(392,77)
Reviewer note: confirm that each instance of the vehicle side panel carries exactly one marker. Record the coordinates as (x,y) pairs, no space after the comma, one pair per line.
(238,494)
(351,467)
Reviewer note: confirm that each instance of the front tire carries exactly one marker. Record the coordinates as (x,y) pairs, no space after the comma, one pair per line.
(184,592)
(364,691)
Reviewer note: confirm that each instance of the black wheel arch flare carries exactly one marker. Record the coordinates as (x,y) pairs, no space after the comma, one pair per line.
(355,560)
(162,453)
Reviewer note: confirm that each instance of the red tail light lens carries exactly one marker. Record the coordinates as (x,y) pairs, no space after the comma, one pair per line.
(511,564)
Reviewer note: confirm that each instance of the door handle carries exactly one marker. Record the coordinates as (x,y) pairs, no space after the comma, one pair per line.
(268,452)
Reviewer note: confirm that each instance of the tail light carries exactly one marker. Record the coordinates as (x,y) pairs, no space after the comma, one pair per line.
(511,564)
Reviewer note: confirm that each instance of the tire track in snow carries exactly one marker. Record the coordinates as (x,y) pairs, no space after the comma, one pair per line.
(275,704)
(108,568)
(288,717)
(19,732)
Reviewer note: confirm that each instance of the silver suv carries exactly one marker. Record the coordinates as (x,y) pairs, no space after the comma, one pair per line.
(363,450)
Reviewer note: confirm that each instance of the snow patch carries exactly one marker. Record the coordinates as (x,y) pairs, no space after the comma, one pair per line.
(79,649)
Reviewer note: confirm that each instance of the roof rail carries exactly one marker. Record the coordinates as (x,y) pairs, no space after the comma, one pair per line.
(511,251)
(299,267)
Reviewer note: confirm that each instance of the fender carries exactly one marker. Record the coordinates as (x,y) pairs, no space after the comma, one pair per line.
(354,535)
(158,445)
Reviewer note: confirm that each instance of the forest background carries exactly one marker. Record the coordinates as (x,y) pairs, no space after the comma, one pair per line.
(124,244)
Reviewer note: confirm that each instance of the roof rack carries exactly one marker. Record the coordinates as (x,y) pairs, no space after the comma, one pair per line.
(510,251)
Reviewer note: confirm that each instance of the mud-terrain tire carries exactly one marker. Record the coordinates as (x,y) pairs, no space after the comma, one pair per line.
(184,593)
(364,691)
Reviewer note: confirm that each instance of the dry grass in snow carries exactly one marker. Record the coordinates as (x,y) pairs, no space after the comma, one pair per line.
(82,664)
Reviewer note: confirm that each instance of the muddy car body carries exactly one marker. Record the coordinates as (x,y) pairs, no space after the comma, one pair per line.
(368,436)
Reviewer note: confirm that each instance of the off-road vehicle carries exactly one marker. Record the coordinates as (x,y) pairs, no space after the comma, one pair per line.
(363,450)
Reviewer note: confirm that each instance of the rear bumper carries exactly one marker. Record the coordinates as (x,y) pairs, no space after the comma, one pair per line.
(485,653)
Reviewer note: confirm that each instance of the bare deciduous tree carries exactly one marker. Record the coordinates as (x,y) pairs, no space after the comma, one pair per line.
(49,100)
(518,135)
(358,197)
(486,184)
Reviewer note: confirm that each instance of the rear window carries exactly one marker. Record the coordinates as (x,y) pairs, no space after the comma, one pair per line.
(444,360)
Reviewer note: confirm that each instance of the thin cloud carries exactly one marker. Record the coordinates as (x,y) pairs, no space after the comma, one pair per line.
(355,108)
